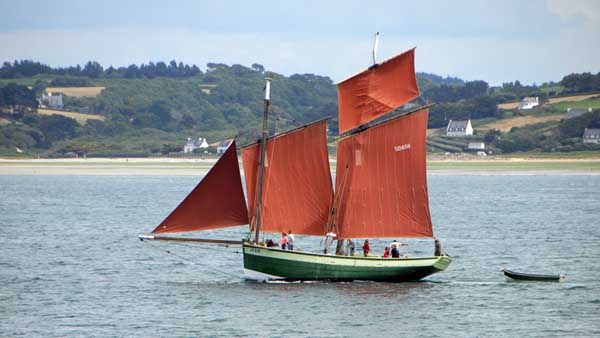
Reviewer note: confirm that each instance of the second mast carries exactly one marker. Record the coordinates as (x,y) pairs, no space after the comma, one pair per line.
(263,148)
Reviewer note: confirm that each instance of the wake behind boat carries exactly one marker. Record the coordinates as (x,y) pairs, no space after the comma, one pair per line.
(380,189)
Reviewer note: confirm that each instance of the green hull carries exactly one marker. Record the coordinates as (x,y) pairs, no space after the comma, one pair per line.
(261,263)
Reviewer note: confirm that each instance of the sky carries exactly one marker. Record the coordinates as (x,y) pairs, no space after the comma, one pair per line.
(533,41)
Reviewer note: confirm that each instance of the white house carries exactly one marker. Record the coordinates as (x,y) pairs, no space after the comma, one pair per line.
(459,128)
(223,145)
(51,101)
(476,146)
(529,103)
(591,136)
(192,145)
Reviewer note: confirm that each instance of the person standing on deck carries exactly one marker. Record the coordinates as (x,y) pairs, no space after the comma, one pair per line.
(366,248)
(351,247)
(395,252)
(438,248)
(283,241)
(395,249)
(396,244)
(290,241)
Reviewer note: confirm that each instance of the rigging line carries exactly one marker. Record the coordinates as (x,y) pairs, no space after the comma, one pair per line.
(335,210)
(196,246)
(279,117)
(153,245)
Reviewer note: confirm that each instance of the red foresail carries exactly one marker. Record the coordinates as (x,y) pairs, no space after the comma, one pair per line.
(376,91)
(381,181)
(297,188)
(216,202)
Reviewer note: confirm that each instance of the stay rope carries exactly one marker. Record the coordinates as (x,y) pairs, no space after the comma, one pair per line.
(189,261)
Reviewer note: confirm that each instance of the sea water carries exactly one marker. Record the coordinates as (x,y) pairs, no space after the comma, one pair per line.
(71,266)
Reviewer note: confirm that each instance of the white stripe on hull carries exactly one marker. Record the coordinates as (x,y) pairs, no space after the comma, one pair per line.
(259,276)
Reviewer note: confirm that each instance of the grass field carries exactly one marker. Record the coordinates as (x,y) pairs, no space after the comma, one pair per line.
(436,132)
(589,103)
(505,125)
(553,101)
(573,98)
(77,91)
(508,105)
(79,117)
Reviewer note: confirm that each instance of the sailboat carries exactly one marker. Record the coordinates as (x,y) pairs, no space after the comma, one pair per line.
(380,187)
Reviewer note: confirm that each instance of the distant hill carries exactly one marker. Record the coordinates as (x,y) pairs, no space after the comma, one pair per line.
(439,80)
(153,108)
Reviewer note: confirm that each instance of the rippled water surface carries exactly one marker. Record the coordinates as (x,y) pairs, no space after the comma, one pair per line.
(71,266)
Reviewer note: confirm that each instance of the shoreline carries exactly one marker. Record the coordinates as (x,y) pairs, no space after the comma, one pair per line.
(198,166)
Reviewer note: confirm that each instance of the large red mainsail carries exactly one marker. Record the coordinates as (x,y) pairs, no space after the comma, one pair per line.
(381,181)
(216,202)
(376,91)
(297,188)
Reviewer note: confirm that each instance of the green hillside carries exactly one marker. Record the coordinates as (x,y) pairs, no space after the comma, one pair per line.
(153,108)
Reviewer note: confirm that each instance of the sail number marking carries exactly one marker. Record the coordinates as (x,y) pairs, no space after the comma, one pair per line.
(402,147)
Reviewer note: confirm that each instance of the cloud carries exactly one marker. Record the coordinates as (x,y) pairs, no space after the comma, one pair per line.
(587,9)
(532,41)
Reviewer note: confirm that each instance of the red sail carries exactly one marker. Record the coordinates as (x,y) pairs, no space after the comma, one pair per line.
(216,202)
(297,188)
(381,181)
(376,91)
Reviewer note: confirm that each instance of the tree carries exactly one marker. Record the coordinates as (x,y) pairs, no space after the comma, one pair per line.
(475,88)
(258,67)
(161,110)
(17,97)
(132,72)
(491,136)
(584,82)
(57,127)
(574,127)
(92,69)
(484,106)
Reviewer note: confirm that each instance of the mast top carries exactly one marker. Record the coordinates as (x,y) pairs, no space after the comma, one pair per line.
(268,88)
(376,43)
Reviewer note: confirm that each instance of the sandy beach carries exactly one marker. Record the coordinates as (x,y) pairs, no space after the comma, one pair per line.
(196,166)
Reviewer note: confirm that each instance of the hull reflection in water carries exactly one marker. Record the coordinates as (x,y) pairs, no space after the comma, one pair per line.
(265,264)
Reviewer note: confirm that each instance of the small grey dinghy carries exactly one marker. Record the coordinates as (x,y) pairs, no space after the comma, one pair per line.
(533,277)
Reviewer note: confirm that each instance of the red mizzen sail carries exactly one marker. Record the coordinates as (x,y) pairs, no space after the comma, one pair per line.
(376,91)
(297,188)
(384,191)
(216,202)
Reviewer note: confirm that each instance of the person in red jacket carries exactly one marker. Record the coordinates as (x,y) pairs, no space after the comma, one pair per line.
(386,252)
(366,248)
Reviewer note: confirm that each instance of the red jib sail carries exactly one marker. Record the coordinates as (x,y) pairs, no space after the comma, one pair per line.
(297,188)
(216,202)
(376,91)
(381,181)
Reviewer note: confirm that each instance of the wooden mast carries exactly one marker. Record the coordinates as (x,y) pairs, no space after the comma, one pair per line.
(261,164)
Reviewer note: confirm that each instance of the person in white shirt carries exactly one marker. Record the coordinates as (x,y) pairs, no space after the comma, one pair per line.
(289,243)
(395,249)
(351,246)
